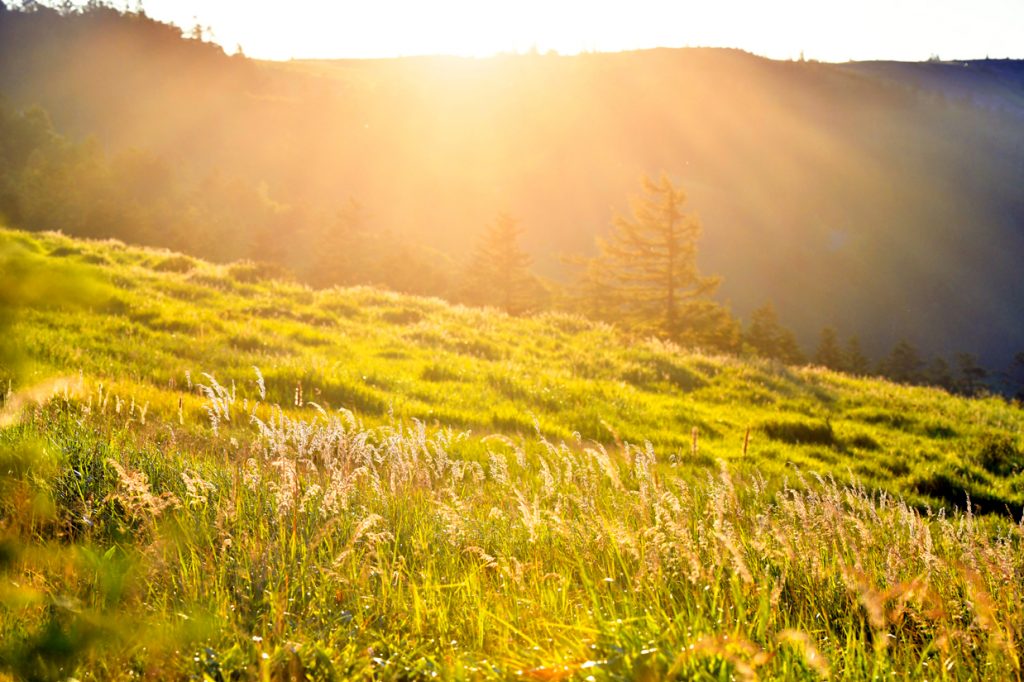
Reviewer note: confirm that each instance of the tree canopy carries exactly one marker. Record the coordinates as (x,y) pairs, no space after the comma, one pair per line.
(829,354)
(651,259)
(766,337)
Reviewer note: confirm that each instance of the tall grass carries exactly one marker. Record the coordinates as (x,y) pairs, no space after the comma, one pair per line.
(308,544)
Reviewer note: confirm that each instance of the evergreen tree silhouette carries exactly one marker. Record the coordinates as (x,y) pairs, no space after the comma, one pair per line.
(828,353)
(499,273)
(769,339)
(651,257)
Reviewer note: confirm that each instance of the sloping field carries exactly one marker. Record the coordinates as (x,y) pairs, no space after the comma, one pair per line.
(210,473)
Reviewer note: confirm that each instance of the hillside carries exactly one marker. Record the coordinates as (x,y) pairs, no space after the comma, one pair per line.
(879,198)
(406,489)
(159,316)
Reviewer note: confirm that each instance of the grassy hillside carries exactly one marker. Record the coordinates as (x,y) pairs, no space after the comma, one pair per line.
(407,489)
(159,316)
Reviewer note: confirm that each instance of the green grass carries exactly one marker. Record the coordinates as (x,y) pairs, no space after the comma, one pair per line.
(409,489)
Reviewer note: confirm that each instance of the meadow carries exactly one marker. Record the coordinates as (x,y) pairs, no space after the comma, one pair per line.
(211,472)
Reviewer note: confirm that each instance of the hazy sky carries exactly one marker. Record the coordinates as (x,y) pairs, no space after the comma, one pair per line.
(821,29)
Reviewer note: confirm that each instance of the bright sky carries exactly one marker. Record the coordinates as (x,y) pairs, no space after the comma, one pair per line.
(828,30)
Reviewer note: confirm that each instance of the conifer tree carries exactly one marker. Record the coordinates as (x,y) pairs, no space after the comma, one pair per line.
(652,259)
(828,353)
(937,374)
(903,364)
(499,273)
(769,339)
(593,293)
(854,360)
(971,379)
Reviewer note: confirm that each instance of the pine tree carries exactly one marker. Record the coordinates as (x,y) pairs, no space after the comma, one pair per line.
(769,339)
(903,364)
(972,375)
(499,273)
(854,360)
(937,374)
(593,293)
(828,353)
(651,258)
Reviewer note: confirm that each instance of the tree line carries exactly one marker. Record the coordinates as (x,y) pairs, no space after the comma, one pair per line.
(51,182)
(645,278)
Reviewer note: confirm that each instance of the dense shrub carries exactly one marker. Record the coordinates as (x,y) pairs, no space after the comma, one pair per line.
(863,441)
(177,263)
(999,454)
(800,433)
